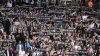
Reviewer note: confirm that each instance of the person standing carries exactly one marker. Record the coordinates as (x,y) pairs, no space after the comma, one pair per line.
(19,47)
(27,45)
(8,52)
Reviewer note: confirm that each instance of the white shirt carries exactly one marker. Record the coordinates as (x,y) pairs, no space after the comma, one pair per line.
(65,3)
(98,24)
(17,23)
(13,28)
(84,18)
(35,54)
(9,4)
(21,53)
(2,30)
(45,39)
(19,47)
(91,26)
(32,2)
(72,43)
(7,52)
(51,53)
(77,47)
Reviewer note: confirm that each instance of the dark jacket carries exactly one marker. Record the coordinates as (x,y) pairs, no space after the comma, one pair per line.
(10,52)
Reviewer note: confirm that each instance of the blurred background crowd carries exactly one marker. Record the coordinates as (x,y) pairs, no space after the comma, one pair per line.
(30,28)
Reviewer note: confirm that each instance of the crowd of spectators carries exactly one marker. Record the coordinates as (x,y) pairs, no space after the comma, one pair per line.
(50,32)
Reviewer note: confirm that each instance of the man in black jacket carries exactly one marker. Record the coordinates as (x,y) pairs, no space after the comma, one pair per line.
(8,52)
